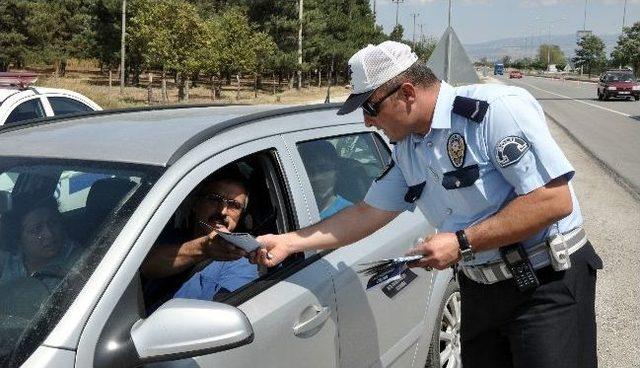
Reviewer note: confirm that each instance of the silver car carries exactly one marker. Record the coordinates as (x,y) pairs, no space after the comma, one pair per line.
(121,179)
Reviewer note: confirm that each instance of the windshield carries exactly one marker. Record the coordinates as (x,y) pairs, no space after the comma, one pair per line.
(57,219)
(621,77)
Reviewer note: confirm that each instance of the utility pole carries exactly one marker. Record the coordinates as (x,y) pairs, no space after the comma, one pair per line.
(397,2)
(447,60)
(584,24)
(122,39)
(421,33)
(624,14)
(414,28)
(374,14)
(300,46)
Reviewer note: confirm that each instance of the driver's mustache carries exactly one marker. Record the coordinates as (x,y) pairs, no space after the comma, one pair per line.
(219,218)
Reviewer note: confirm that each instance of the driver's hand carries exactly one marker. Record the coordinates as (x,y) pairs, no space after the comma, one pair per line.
(219,249)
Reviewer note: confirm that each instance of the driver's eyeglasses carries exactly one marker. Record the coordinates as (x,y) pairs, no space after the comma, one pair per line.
(371,108)
(218,200)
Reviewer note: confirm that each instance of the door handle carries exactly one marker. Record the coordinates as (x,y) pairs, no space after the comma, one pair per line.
(321,315)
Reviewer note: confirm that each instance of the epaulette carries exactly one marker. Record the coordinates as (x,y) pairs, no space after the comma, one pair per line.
(470,108)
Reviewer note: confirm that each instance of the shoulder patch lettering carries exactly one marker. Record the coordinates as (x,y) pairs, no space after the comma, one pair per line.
(510,150)
(470,108)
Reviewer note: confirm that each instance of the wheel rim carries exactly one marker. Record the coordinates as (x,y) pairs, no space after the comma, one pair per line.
(450,333)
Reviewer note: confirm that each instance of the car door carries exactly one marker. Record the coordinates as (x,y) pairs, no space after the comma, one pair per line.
(380,326)
(292,310)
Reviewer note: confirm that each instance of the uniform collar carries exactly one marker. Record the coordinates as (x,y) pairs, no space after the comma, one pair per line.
(442,111)
(444,105)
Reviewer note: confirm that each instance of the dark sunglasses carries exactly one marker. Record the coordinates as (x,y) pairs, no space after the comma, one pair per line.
(371,108)
(218,200)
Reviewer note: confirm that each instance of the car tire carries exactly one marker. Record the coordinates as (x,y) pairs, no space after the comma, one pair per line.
(637,98)
(445,341)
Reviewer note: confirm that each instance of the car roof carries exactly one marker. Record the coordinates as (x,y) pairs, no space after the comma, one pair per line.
(145,136)
(6,91)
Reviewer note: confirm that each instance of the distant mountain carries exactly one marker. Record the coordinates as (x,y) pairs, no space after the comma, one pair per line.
(518,47)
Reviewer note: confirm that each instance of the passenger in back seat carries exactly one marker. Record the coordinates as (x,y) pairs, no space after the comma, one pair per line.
(321,160)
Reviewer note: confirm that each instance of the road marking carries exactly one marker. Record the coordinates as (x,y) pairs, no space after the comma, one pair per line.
(573,99)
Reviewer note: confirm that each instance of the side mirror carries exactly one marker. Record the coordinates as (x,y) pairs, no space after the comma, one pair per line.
(184,328)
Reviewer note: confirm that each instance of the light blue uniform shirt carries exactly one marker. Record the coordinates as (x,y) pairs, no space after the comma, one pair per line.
(512,148)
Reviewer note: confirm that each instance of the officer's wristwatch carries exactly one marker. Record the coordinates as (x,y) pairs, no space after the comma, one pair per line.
(465,248)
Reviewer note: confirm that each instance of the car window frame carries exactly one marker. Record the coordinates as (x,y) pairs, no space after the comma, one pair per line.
(19,102)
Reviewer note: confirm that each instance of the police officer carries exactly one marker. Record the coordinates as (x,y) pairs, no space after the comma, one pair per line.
(480,163)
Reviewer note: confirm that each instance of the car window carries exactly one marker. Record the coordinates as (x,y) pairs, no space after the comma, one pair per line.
(341,169)
(31,109)
(246,196)
(64,106)
(53,233)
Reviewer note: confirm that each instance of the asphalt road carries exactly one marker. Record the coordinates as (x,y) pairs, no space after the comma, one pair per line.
(610,211)
(610,130)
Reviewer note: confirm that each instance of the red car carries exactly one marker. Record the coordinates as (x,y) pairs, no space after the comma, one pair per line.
(515,74)
(619,83)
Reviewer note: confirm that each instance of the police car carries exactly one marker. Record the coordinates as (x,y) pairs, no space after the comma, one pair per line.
(19,101)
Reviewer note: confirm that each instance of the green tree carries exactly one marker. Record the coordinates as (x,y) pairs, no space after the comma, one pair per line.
(169,44)
(106,27)
(61,29)
(506,60)
(627,50)
(424,48)
(14,33)
(590,53)
(396,33)
(550,54)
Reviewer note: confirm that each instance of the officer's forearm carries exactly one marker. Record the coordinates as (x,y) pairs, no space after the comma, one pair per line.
(345,227)
(523,217)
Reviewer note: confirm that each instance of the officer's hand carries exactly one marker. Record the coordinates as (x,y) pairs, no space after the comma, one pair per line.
(438,250)
(274,250)
(215,247)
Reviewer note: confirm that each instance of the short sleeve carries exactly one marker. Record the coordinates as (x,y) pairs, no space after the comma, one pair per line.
(387,192)
(520,146)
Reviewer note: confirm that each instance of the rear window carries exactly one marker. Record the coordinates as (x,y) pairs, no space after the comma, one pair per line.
(57,219)
(65,106)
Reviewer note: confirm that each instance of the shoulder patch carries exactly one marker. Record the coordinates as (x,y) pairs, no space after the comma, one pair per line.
(386,170)
(510,150)
(470,108)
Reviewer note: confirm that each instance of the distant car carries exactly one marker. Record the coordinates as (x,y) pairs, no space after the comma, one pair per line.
(515,74)
(619,83)
(20,102)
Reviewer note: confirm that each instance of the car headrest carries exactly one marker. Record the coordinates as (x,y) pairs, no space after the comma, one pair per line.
(104,196)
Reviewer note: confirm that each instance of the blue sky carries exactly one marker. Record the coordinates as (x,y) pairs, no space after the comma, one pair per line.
(485,20)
